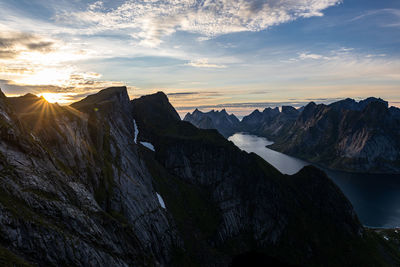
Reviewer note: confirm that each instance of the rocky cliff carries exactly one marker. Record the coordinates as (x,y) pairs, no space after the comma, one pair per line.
(239,203)
(113,182)
(346,135)
(74,191)
(226,124)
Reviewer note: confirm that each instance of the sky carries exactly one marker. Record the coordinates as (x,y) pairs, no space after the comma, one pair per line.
(207,54)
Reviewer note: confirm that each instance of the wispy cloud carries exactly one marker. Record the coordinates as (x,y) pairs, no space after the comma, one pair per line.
(150,21)
(388,12)
(182,94)
(392,11)
(310,56)
(13,44)
(203,63)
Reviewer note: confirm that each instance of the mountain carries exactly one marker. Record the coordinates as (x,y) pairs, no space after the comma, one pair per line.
(346,135)
(351,104)
(112,182)
(74,190)
(226,124)
(254,121)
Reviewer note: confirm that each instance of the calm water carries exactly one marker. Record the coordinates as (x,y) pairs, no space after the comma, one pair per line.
(375,197)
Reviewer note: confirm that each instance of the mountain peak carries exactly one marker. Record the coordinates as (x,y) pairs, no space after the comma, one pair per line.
(351,104)
(196,111)
(289,110)
(155,107)
(364,103)
(105,99)
(29,95)
(2,95)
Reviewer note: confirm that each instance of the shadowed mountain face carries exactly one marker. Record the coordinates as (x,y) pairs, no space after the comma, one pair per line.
(358,137)
(355,136)
(78,188)
(221,120)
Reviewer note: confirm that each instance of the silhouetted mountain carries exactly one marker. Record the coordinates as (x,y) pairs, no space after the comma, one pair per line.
(254,121)
(359,136)
(362,136)
(351,104)
(220,120)
(114,182)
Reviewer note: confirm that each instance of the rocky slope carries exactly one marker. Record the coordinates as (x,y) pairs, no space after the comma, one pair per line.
(227,202)
(80,187)
(359,136)
(275,123)
(226,124)
(74,191)
(346,135)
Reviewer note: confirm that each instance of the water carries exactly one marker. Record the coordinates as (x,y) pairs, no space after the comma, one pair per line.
(375,197)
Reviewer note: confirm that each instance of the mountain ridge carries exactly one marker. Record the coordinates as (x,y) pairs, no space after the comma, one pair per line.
(84,191)
(355,136)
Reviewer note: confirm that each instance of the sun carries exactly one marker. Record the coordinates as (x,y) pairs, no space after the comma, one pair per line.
(59,98)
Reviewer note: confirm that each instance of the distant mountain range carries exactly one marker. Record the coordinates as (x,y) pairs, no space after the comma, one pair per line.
(226,124)
(110,181)
(359,136)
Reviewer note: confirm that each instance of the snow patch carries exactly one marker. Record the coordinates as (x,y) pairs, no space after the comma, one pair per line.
(5,115)
(136,131)
(161,200)
(148,145)
(386,238)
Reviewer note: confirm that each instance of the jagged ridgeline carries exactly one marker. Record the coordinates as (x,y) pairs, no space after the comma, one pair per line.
(113,182)
(347,135)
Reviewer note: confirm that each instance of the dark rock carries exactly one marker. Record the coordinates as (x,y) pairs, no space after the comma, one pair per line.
(363,137)
(77,190)
(226,124)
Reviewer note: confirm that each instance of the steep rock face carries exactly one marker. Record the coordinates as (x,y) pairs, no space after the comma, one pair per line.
(280,123)
(271,122)
(248,204)
(347,135)
(79,188)
(351,104)
(73,188)
(226,124)
(254,120)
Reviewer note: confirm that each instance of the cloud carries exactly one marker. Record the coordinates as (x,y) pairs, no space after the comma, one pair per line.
(70,94)
(182,94)
(310,56)
(203,63)
(28,59)
(149,21)
(305,56)
(41,46)
(391,11)
(14,43)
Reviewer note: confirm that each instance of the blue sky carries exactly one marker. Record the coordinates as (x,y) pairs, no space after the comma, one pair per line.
(237,54)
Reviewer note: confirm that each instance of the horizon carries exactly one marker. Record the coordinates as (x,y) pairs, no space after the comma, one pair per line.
(242,113)
(240,55)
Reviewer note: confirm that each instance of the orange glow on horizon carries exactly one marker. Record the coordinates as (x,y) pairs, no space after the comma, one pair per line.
(59,98)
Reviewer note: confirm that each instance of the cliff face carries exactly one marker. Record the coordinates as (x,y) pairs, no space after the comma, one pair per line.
(80,187)
(257,120)
(363,137)
(248,204)
(359,136)
(226,124)
(73,188)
